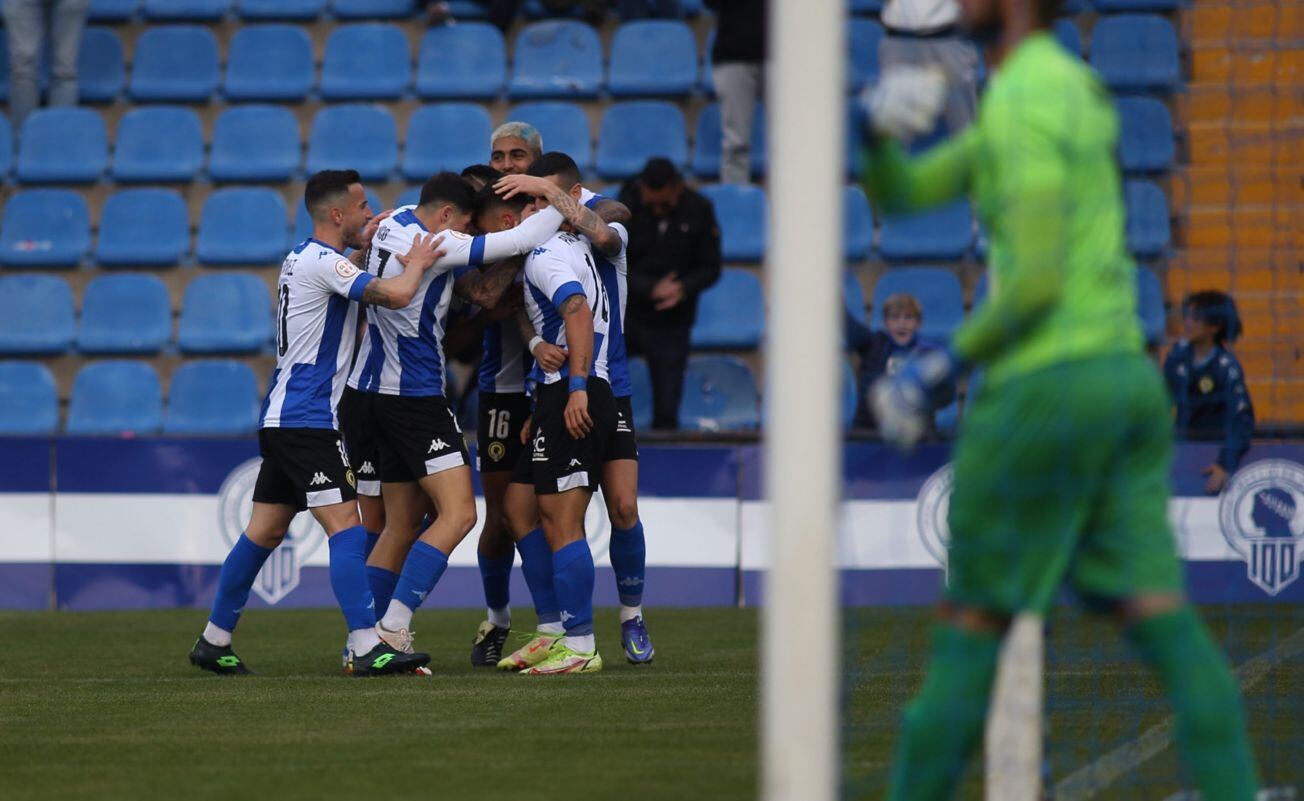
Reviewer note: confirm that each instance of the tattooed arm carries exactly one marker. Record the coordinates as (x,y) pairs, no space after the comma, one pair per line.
(486,286)
(584,220)
(578,318)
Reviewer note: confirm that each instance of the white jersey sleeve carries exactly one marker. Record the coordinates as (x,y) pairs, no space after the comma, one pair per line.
(337,276)
(473,251)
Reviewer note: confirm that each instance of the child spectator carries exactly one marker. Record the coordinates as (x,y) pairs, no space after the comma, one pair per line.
(1208,385)
(883,352)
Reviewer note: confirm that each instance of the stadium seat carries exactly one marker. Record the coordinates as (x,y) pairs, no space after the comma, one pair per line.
(849,395)
(936,289)
(1145,141)
(255,143)
(464,60)
(719,395)
(942,233)
(1148,231)
(1150,305)
(280,9)
(707,83)
(853,297)
(125,314)
(635,131)
(373,9)
(242,226)
(741,211)
(408,197)
(214,397)
(145,227)
(445,136)
(708,144)
(858,224)
(29,403)
(174,64)
(6,146)
(229,313)
(36,315)
(1136,52)
(186,10)
(864,36)
(303,223)
(1122,6)
(115,397)
(556,58)
(100,70)
(731,314)
(640,381)
(652,58)
(366,61)
(45,228)
(112,10)
(354,136)
(564,126)
(158,144)
(467,9)
(62,145)
(269,62)
(1067,33)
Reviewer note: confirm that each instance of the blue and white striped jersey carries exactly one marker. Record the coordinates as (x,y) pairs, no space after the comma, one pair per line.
(555,271)
(315,323)
(403,350)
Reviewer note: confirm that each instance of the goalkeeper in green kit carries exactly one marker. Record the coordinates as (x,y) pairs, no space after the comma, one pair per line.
(1061,468)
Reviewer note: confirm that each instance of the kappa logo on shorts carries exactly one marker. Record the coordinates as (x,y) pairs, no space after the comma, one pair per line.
(574,463)
(318,479)
(367,469)
(931,510)
(1261,514)
(437,445)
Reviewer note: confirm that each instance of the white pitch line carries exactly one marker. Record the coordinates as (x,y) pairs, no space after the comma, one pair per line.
(1085,782)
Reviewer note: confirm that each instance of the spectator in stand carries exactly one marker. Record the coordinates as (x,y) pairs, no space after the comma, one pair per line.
(674,255)
(883,352)
(27,23)
(739,71)
(1208,385)
(924,32)
(513,147)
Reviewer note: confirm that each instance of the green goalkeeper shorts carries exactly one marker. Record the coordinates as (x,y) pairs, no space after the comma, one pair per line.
(1063,475)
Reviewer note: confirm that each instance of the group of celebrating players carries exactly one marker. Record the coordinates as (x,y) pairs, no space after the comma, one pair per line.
(369,444)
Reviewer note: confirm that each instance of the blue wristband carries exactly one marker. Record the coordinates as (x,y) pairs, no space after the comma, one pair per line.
(579,383)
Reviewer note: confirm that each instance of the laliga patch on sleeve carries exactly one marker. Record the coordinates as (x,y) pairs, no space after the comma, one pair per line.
(345,268)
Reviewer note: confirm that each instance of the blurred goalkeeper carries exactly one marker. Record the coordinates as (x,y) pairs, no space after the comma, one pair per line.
(1061,469)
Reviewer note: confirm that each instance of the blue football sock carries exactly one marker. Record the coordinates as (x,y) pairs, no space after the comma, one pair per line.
(349,577)
(372,539)
(629,559)
(536,564)
(496,576)
(425,564)
(382,583)
(238,573)
(572,575)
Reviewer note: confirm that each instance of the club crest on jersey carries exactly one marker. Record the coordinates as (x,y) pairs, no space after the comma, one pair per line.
(280,575)
(931,510)
(1261,514)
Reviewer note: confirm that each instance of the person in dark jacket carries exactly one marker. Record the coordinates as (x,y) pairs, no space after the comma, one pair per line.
(883,352)
(674,255)
(738,71)
(1208,384)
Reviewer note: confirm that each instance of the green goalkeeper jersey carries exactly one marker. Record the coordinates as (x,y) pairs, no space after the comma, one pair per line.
(1039,164)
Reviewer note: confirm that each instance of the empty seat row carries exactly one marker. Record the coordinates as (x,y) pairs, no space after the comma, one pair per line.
(212,10)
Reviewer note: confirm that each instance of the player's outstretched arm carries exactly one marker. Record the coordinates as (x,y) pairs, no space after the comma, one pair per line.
(398,292)
(584,220)
(578,319)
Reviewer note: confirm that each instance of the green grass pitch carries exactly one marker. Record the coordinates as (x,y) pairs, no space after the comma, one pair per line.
(104,706)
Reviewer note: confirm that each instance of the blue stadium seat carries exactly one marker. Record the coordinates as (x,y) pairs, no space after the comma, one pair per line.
(373,9)
(242,226)
(1067,33)
(112,10)
(100,70)
(467,10)
(62,145)
(849,394)
(366,61)
(143,227)
(1136,52)
(214,397)
(303,223)
(741,210)
(866,7)
(45,228)
(174,64)
(564,126)
(464,60)
(557,58)
(719,395)
(1150,304)
(280,9)
(858,224)
(269,62)
(853,297)
(29,403)
(1148,232)
(354,136)
(1120,6)
(708,143)
(225,314)
(1145,141)
(6,146)
(158,144)
(731,314)
(863,36)
(36,315)
(635,131)
(942,233)
(936,289)
(445,136)
(408,197)
(255,143)
(640,381)
(186,10)
(125,314)
(651,58)
(707,83)
(115,397)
